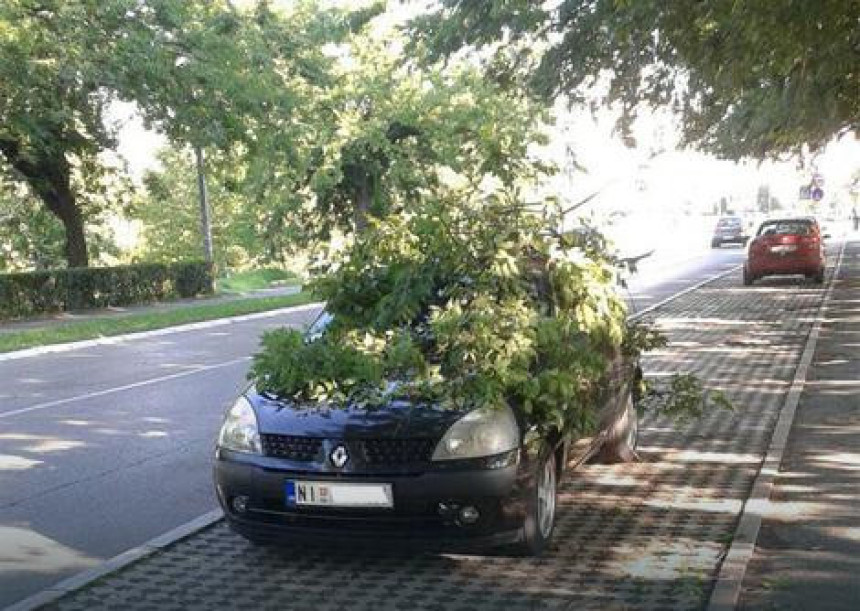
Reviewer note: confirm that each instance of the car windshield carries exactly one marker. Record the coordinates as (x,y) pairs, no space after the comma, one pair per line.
(318,326)
(729,222)
(789,227)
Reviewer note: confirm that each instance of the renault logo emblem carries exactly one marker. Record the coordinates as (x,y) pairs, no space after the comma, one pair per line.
(339,456)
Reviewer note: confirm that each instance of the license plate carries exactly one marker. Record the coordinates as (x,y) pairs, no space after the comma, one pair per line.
(337,494)
(783,248)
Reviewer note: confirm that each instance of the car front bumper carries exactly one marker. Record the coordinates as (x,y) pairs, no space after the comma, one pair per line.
(426,505)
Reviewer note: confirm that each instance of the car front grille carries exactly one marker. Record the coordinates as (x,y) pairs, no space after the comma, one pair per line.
(395,452)
(375,452)
(303,449)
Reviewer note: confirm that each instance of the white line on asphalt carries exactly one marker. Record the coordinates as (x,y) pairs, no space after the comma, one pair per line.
(689,289)
(117,339)
(727,589)
(116,389)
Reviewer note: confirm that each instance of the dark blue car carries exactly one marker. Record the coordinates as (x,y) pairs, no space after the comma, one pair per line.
(415,472)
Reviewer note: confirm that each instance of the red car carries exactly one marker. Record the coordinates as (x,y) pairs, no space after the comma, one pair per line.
(790,246)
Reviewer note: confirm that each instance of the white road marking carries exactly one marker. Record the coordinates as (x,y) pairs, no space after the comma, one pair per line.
(117,389)
(689,289)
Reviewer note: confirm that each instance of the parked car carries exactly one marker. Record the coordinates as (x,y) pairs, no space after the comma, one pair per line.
(729,229)
(406,471)
(789,246)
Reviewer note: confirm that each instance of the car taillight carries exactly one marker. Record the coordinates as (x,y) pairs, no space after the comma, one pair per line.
(757,246)
(809,242)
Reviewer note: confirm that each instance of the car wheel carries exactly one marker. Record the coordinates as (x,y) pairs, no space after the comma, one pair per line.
(540,512)
(819,277)
(748,277)
(715,243)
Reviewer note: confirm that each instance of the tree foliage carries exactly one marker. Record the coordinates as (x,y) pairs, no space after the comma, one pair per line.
(457,289)
(169,214)
(457,286)
(202,72)
(465,301)
(748,78)
(387,132)
(33,238)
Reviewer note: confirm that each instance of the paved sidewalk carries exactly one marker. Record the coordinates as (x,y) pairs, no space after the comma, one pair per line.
(650,535)
(65,318)
(808,552)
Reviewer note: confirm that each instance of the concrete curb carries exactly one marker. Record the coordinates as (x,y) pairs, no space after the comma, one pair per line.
(727,589)
(58,590)
(117,339)
(687,290)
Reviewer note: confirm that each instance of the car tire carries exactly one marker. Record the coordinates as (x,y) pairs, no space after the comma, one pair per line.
(748,277)
(819,277)
(715,243)
(539,523)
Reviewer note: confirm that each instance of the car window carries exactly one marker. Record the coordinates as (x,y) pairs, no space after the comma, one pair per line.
(785,228)
(318,326)
(728,222)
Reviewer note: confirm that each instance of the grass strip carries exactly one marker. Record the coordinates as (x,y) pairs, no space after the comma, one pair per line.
(257,279)
(118,324)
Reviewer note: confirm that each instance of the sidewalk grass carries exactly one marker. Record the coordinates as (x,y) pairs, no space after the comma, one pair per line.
(119,324)
(257,279)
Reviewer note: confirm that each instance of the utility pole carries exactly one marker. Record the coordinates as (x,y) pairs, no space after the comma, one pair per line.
(205,221)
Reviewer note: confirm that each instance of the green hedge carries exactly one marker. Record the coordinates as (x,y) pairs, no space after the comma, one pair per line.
(31,293)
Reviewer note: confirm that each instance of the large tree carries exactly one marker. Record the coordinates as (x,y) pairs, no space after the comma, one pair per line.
(387,133)
(748,78)
(202,72)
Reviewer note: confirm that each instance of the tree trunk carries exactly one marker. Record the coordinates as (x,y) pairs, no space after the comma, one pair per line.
(56,191)
(362,204)
(205,217)
(73,222)
(49,175)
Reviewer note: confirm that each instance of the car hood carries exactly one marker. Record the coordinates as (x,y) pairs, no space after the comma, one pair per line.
(398,419)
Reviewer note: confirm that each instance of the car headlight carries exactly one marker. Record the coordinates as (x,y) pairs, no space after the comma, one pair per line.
(483,432)
(239,432)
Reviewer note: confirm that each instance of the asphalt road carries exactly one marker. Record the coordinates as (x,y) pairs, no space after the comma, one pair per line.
(106,447)
(103,448)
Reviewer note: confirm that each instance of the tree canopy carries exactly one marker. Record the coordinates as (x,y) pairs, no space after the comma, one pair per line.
(747,78)
(382,134)
(204,73)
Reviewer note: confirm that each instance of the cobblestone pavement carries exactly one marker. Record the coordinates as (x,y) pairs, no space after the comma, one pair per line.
(647,536)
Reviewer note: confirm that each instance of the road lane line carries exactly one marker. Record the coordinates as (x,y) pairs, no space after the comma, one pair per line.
(689,289)
(730,579)
(117,389)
